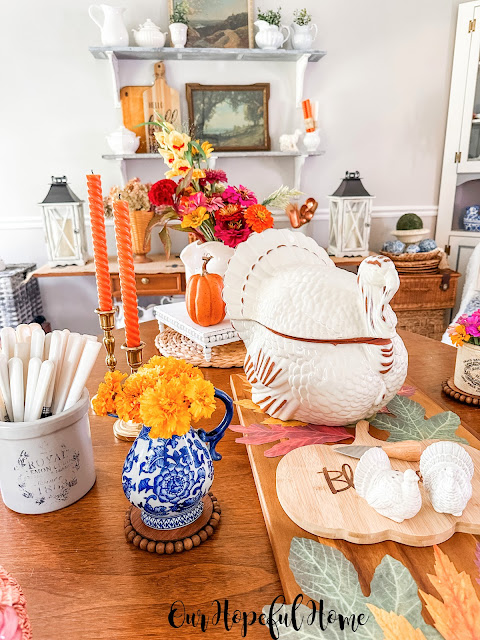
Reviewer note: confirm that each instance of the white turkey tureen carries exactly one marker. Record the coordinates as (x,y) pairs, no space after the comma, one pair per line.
(321,341)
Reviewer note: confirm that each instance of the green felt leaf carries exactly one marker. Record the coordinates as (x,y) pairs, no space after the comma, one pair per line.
(408,422)
(323,573)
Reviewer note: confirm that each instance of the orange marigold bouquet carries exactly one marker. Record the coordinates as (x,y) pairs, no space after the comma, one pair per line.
(165,394)
(203,201)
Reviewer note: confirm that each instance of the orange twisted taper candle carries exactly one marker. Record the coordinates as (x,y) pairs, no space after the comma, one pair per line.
(126,272)
(99,239)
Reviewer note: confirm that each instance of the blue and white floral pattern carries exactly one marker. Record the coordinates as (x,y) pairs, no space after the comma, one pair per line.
(167,478)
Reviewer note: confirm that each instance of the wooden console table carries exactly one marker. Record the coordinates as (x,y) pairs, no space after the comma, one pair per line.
(157,278)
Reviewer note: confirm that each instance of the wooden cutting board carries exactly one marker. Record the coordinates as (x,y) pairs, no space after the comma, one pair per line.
(131,99)
(160,98)
(315,488)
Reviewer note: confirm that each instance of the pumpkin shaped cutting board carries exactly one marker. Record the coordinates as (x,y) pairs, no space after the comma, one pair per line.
(315,489)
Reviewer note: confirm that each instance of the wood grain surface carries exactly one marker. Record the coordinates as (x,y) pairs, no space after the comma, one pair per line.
(84,582)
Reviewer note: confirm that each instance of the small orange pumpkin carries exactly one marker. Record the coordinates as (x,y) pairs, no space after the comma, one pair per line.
(203,297)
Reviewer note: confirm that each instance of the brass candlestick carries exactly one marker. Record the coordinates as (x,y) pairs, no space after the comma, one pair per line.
(134,356)
(107,323)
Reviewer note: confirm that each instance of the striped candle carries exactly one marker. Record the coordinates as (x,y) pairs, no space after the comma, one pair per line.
(99,239)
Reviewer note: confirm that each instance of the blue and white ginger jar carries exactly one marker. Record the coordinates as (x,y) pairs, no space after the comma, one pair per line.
(166,478)
(471,219)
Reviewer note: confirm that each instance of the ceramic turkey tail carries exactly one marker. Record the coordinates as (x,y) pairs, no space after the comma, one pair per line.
(257,260)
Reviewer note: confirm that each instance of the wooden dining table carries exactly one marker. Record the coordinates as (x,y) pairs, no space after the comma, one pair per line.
(83,581)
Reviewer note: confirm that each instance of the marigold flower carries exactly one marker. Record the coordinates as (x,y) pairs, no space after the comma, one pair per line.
(163,408)
(104,402)
(200,394)
(258,218)
(458,336)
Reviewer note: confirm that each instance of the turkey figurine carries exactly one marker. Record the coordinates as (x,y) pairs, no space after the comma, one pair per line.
(321,341)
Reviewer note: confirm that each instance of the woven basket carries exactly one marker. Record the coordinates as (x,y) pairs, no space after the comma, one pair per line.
(429,322)
(20,299)
(415,262)
(139,221)
(171,343)
(11,594)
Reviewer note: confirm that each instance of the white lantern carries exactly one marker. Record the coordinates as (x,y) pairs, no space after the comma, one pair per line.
(350,215)
(64,225)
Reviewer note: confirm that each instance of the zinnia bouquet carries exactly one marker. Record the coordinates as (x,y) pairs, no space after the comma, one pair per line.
(466,329)
(165,394)
(202,200)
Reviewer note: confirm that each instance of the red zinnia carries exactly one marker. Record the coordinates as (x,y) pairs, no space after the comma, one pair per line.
(162,192)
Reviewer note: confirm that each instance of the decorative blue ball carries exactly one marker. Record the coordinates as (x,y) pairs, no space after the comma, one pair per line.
(427,245)
(388,246)
(413,248)
(398,247)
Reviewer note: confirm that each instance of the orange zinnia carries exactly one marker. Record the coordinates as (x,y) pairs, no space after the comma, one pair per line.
(258,218)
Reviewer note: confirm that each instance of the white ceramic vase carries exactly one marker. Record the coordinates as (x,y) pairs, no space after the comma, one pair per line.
(303,36)
(192,255)
(113,31)
(311,141)
(178,34)
(467,369)
(269,36)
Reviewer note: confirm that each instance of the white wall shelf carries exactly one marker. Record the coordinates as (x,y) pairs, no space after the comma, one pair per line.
(298,156)
(190,53)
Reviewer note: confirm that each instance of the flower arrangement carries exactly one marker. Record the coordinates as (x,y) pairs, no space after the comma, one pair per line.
(165,394)
(271,16)
(134,192)
(301,17)
(180,13)
(203,201)
(466,330)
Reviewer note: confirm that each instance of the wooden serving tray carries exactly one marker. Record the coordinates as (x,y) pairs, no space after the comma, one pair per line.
(315,489)
(365,558)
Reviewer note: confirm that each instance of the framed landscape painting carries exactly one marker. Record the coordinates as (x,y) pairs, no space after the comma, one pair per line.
(230,117)
(225,24)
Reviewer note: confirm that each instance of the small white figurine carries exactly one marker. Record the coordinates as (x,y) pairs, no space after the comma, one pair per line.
(447,472)
(288,142)
(392,494)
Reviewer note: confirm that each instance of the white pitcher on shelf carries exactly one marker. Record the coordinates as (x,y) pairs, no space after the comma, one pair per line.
(113,31)
(269,36)
(304,36)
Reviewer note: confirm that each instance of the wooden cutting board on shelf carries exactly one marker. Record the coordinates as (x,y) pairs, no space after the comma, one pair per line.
(315,488)
(160,98)
(131,99)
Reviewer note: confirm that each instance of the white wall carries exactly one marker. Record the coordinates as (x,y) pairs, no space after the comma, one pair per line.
(382,91)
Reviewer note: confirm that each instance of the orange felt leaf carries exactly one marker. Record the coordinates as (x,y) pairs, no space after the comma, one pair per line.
(395,627)
(284,423)
(458,616)
(248,404)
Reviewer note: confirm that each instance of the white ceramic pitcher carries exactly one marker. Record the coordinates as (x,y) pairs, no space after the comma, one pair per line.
(113,31)
(269,36)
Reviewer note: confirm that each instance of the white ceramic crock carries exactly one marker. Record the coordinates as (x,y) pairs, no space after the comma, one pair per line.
(467,369)
(192,257)
(47,464)
(178,34)
(303,36)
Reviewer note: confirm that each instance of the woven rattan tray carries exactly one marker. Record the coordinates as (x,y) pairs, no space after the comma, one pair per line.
(426,262)
(171,343)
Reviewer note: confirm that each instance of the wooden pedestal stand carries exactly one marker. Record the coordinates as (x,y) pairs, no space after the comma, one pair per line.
(455,393)
(173,540)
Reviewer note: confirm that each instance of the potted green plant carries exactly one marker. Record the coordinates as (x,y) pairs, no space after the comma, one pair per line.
(179,24)
(269,36)
(304,31)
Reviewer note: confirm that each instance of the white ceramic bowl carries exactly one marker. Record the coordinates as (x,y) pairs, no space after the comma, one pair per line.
(411,236)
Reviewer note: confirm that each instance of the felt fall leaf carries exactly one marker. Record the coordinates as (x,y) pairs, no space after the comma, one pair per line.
(323,573)
(284,423)
(248,404)
(408,422)
(458,616)
(477,560)
(395,627)
(292,437)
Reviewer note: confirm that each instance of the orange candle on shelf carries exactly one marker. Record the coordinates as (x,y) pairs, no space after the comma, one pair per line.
(99,238)
(308,116)
(127,272)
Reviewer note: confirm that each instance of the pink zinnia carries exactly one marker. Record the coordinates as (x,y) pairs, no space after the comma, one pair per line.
(239,195)
(214,203)
(213,175)
(232,230)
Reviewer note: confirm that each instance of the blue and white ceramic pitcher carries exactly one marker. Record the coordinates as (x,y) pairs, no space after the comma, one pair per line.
(167,478)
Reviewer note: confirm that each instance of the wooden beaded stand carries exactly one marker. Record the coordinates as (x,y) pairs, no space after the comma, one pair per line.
(455,393)
(173,540)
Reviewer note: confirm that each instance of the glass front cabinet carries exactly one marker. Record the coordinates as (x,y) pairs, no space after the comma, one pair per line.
(458,222)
